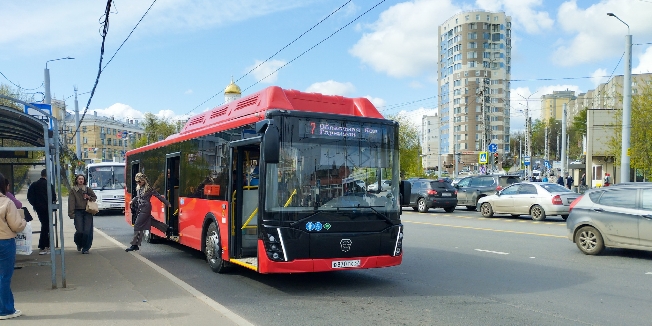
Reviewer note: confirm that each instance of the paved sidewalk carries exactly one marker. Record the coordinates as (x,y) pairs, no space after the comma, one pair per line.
(107,287)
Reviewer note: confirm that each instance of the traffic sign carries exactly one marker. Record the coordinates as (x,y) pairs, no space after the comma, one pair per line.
(526,160)
(125,134)
(482,158)
(493,148)
(546,164)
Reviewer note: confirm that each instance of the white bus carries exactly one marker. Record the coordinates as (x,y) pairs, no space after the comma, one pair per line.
(107,180)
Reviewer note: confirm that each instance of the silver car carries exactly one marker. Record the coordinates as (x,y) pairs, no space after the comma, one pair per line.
(537,199)
(617,217)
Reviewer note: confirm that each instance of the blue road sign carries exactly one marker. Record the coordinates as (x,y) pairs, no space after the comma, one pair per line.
(493,148)
(482,158)
(526,160)
(125,134)
(546,164)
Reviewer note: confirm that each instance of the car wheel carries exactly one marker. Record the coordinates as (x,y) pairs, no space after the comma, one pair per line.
(537,213)
(150,238)
(486,210)
(470,208)
(213,249)
(449,209)
(565,216)
(421,204)
(589,240)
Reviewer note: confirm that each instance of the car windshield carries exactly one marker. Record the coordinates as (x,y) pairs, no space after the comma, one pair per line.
(106,177)
(554,188)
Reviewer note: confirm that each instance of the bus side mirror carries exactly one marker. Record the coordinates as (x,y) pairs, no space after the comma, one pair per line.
(406,191)
(271,144)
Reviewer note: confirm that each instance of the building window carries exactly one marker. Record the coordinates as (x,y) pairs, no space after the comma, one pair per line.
(477,17)
(473,26)
(83,129)
(472,36)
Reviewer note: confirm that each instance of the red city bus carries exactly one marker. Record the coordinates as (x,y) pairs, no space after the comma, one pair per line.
(278,182)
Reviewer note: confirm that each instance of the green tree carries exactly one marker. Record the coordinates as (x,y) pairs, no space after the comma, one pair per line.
(640,147)
(155,129)
(409,148)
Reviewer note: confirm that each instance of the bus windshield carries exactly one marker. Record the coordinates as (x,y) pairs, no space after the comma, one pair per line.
(106,177)
(332,166)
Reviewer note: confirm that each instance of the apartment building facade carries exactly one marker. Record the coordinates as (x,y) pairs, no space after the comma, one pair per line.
(430,150)
(474,67)
(552,105)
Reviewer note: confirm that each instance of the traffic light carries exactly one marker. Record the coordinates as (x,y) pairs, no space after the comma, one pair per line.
(496,158)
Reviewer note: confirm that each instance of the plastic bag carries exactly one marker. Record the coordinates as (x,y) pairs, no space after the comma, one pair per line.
(24,241)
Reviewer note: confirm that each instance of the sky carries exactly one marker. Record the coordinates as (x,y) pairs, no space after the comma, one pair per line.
(182,54)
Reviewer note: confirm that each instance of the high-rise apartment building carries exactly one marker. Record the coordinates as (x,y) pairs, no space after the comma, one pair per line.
(474,63)
(430,156)
(552,105)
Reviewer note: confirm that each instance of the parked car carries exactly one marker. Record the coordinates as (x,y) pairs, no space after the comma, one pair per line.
(471,189)
(428,193)
(384,186)
(616,217)
(537,199)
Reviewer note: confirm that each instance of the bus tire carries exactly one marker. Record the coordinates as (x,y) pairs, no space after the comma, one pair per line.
(213,249)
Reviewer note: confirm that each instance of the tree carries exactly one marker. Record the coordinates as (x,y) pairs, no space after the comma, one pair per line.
(155,128)
(640,145)
(409,148)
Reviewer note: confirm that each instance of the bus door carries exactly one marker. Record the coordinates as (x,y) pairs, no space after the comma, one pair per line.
(245,158)
(172,168)
(135,168)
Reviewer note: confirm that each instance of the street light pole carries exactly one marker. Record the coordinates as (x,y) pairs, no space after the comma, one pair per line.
(528,141)
(48,99)
(627,105)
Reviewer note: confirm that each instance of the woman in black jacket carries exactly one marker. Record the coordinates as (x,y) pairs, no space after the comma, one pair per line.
(144,219)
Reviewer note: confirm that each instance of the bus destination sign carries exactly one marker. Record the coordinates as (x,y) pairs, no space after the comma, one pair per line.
(338,130)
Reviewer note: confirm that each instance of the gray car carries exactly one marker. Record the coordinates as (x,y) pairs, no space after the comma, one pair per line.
(471,189)
(617,217)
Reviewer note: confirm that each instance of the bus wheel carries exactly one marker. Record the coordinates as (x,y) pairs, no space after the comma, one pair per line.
(151,238)
(213,249)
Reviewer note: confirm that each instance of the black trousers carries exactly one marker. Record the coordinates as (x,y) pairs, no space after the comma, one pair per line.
(83,229)
(44,238)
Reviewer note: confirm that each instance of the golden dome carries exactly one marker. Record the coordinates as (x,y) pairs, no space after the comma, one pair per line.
(232,88)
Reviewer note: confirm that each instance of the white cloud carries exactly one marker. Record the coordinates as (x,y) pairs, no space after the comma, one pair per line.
(598,36)
(522,13)
(265,72)
(122,112)
(403,40)
(188,92)
(599,76)
(415,117)
(644,63)
(331,87)
(67,23)
(376,101)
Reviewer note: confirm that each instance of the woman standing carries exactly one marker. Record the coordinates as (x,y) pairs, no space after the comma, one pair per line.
(77,200)
(144,219)
(10,223)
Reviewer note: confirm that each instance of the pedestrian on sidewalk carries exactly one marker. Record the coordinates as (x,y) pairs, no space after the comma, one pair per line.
(77,200)
(10,223)
(37,196)
(144,219)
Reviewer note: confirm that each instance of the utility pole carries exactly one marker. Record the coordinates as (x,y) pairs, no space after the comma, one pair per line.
(545,149)
(563,140)
(78,128)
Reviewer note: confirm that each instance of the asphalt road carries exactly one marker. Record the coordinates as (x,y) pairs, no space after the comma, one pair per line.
(458,269)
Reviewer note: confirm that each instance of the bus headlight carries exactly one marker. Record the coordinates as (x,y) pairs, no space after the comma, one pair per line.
(274,245)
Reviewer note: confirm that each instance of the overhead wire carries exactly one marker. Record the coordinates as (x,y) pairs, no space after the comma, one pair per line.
(300,55)
(23,88)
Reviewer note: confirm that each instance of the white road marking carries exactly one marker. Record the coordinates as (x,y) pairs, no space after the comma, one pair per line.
(648,273)
(493,252)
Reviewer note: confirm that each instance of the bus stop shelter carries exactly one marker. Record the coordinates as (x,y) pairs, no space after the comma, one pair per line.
(21,133)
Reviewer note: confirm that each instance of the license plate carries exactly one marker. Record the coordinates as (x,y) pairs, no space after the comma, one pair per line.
(346,263)
(445,194)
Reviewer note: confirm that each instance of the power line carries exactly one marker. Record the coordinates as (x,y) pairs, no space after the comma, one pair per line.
(300,55)
(25,89)
(314,46)
(104,31)
(132,31)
